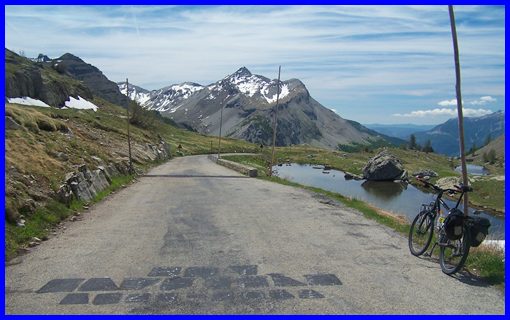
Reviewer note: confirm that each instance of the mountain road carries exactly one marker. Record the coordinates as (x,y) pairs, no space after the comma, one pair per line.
(192,237)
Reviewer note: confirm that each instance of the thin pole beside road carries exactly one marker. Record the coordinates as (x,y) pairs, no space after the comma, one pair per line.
(275,120)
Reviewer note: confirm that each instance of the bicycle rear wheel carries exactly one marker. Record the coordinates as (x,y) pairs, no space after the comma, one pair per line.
(421,232)
(453,253)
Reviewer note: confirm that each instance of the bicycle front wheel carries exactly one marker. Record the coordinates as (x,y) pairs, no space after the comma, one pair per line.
(453,253)
(421,231)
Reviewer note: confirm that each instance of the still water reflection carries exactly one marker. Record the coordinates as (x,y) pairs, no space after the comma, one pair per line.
(474,170)
(399,198)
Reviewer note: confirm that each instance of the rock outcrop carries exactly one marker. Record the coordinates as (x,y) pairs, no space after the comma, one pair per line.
(85,184)
(384,167)
(425,173)
(91,76)
(448,182)
(25,78)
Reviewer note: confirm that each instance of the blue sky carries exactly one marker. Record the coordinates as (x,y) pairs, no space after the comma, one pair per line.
(372,64)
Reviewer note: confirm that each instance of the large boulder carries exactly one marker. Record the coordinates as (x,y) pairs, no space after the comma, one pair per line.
(384,167)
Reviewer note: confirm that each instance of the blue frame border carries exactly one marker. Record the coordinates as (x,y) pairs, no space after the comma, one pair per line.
(248,2)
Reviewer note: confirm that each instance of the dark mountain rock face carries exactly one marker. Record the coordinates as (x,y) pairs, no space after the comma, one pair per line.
(25,78)
(42,58)
(248,102)
(91,76)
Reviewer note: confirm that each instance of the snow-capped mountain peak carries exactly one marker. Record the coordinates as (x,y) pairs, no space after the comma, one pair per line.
(136,93)
(252,85)
(241,72)
(167,99)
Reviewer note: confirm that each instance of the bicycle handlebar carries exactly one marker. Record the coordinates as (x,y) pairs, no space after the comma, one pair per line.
(460,189)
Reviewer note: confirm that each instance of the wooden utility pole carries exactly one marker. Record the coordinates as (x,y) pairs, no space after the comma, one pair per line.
(275,120)
(219,137)
(128,132)
(465,180)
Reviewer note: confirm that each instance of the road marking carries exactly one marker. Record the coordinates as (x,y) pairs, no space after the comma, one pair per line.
(196,284)
(282,281)
(138,283)
(61,285)
(323,279)
(107,298)
(98,284)
(280,294)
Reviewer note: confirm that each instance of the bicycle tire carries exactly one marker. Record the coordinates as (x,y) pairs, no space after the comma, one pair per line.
(453,253)
(420,234)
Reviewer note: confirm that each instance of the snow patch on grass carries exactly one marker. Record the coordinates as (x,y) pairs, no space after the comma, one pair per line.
(27,101)
(80,103)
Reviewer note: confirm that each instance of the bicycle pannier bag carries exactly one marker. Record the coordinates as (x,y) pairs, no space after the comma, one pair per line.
(479,229)
(453,224)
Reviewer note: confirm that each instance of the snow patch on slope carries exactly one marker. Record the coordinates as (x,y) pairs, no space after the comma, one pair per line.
(167,99)
(27,101)
(283,93)
(80,103)
(250,84)
(135,95)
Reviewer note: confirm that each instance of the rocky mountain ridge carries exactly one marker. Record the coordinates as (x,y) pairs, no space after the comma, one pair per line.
(244,104)
(53,81)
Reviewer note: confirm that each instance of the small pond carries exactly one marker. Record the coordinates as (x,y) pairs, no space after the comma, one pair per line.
(400,198)
(474,170)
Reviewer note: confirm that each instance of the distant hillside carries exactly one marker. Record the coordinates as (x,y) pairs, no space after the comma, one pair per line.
(402,131)
(498,145)
(444,137)
(392,139)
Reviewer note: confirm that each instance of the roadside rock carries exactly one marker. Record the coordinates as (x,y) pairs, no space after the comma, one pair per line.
(37,195)
(28,206)
(351,176)
(84,184)
(384,167)
(64,194)
(425,172)
(21,223)
(448,182)
(62,156)
(11,124)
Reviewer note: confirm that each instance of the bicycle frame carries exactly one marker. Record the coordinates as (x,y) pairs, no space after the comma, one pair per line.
(437,207)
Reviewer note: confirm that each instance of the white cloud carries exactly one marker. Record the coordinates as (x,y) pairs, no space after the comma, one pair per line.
(447,103)
(356,56)
(483,100)
(443,112)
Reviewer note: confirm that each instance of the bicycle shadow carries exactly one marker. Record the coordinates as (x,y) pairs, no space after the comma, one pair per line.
(464,276)
(468,278)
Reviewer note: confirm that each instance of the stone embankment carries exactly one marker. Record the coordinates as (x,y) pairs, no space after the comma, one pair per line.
(241,168)
(85,184)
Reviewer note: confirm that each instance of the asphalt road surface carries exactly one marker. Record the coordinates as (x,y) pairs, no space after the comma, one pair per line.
(194,237)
